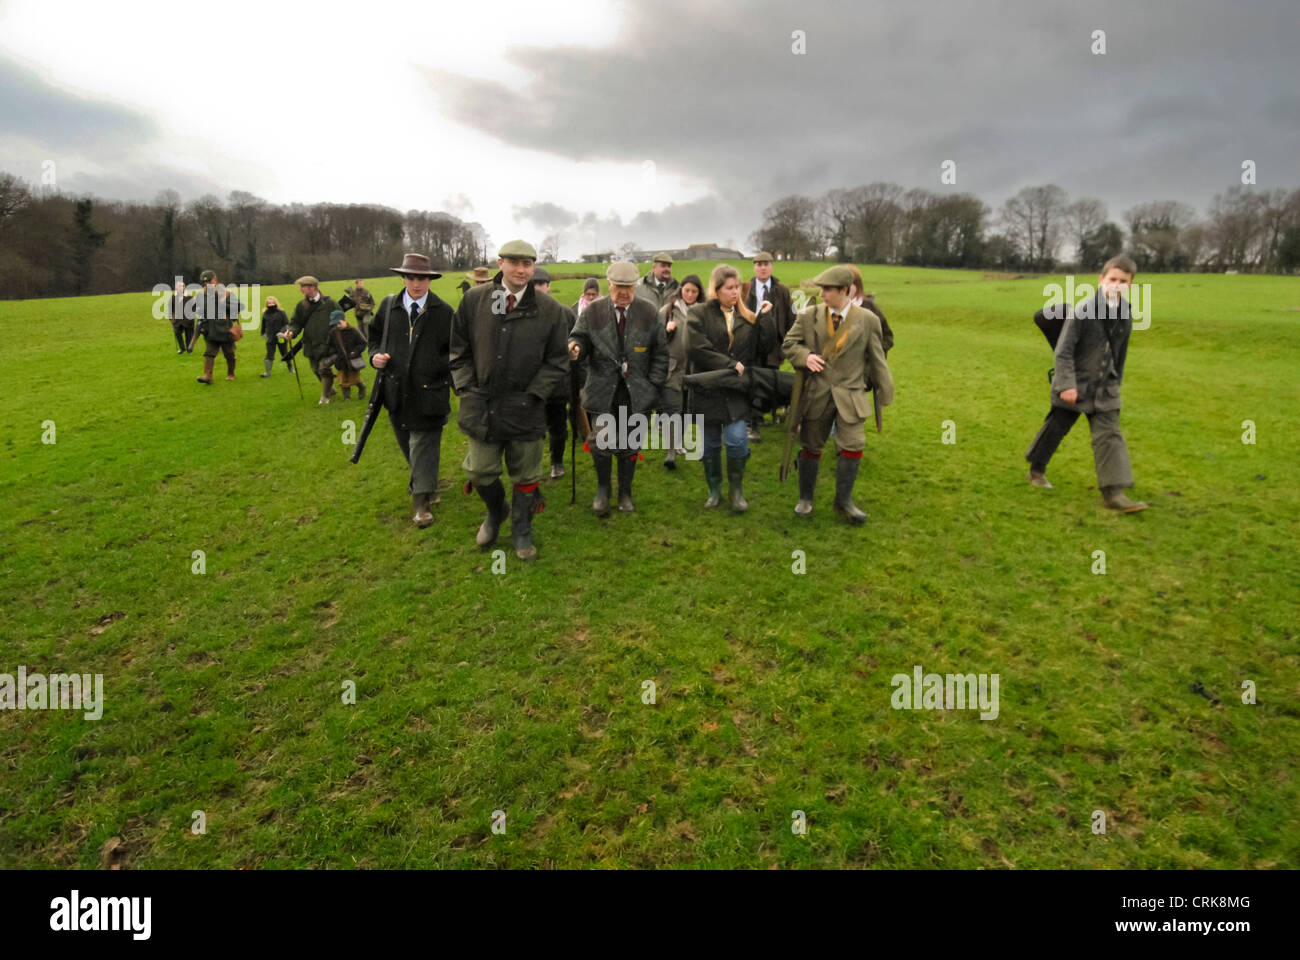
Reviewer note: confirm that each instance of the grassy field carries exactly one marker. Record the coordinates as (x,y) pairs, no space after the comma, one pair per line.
(522,692)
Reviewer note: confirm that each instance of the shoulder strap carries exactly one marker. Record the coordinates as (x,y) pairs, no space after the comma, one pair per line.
(383,342)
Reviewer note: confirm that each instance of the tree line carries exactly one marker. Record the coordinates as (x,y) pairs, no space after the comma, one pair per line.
(57,245)
(1246,229)
(53,245)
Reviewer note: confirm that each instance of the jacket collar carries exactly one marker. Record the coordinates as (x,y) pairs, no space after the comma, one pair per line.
(526,299)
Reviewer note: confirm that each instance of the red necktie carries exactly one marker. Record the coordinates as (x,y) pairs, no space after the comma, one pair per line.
(510,303)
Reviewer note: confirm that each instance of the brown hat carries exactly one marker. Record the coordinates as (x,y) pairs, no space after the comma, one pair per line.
(662,257)
(416,265)
(480,274)
(762,255)
(307,281)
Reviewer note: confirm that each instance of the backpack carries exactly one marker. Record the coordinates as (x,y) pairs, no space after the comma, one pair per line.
(1051,327)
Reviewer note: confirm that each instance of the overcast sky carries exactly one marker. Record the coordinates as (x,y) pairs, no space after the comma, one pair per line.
(665,122)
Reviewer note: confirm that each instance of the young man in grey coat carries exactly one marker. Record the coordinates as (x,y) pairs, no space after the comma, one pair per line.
(1089,371)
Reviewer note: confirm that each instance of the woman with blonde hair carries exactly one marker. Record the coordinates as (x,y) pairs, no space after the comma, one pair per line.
(726,335)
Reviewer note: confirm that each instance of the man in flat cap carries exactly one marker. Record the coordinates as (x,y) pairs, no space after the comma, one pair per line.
(764,286)
(557,405)
(508,352)
(311,319)
(410,339)
(658,286)
(836,345)
(626,353)
(217,311)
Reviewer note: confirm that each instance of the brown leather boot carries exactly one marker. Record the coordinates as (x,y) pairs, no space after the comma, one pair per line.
(230,369)
(207,370)
(1116,499)
(1037,478)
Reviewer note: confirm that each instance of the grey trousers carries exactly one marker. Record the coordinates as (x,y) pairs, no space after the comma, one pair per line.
(423,452)
(1109,451)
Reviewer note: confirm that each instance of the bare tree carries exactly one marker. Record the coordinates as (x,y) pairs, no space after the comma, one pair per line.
(789,228)
(1155,234)
(1081,218)
(841,210)
(549,251)
(1034,220)
(877,232)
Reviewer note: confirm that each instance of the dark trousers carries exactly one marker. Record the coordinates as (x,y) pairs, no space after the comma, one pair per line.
(182,341)
(423,452)
(213,347)
(271,343)
(1109,451)
(557,428)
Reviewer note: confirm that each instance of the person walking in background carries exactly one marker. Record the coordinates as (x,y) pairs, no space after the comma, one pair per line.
(218,321)
(180,311)
(673,317)
(274,321)
(557,405)
(311,319)
(764,286)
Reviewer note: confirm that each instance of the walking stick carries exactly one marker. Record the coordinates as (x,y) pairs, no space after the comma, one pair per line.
(294,367)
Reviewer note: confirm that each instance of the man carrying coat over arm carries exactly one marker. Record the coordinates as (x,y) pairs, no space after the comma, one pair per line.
(410,338)
(626,351)
(508,352)
(838,345)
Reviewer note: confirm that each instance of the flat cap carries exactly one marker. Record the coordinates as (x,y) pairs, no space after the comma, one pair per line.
(761,256)
(336,317)
(662,257)
(541,276)
(519,249)
(307,281)
(623,273)
(836,276)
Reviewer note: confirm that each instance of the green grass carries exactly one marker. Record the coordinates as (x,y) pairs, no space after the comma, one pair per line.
(522,692)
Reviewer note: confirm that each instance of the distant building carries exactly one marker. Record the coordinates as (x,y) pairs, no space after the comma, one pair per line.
(696,251)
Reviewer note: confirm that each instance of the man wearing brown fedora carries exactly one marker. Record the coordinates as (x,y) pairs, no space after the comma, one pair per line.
(311,318)
(508,352)
(410,340)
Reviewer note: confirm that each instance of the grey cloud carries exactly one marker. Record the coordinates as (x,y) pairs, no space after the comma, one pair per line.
(36,110)
(546,217)
(1010,90)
